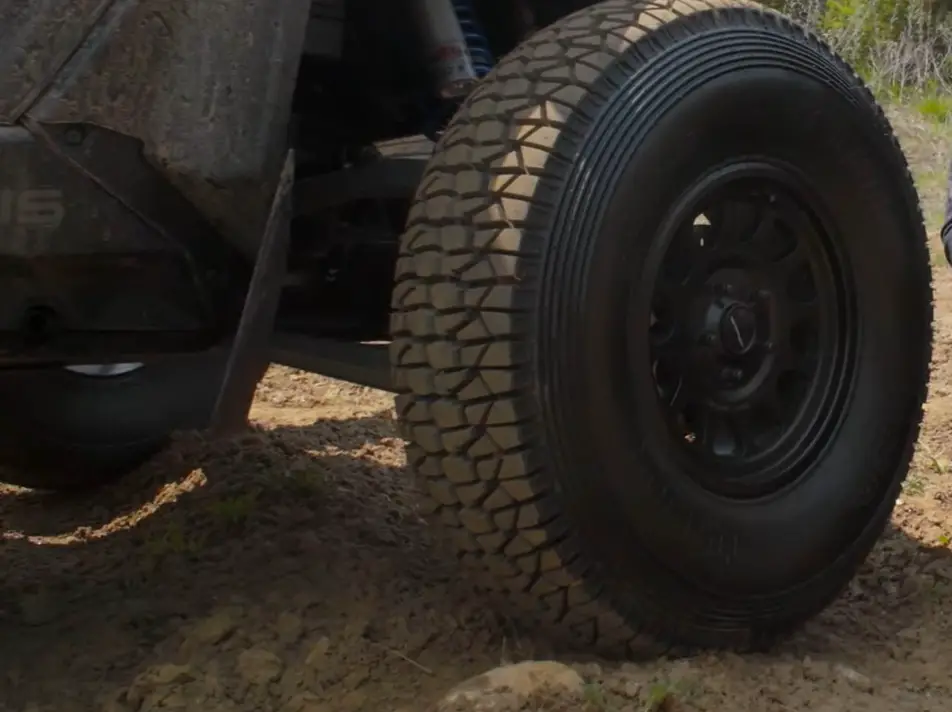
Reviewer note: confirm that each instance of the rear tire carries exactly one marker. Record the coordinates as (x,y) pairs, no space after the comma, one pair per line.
(524,342)
(61,430)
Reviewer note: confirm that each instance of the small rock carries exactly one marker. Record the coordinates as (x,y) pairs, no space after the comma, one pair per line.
(509,686)
(291,681)
(212,685)
(356,629)
(290,628)
(910,635)
(306,702)
(623,685)
(939,568)
(259,667)
(854,678)
(318,652)
(782,670)
(175,700)
(155,678)
(679,671)
(357,677)
(216,627)
(589,669)
(168,674)
(632,690)
(815,670)
(909,587)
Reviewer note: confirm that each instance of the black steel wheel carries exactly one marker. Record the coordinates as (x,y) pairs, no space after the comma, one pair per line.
(753,329)
(662,327)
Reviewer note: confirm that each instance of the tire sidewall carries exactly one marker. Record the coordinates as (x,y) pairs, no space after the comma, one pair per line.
(64,430)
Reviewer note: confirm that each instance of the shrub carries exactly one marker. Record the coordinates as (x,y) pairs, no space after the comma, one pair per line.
(899,46)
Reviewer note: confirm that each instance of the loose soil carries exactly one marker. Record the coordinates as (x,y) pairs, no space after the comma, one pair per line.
(287,569)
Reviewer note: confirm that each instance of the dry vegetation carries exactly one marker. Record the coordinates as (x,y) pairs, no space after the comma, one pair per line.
(287,570)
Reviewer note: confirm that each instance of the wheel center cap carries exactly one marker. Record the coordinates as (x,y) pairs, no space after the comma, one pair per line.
(738,329)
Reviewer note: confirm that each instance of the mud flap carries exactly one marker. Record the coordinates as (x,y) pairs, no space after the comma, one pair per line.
(250,349)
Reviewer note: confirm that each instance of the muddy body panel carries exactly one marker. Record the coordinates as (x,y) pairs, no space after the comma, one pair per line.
(67,244)
(155,132)
(206,87)
(36,40)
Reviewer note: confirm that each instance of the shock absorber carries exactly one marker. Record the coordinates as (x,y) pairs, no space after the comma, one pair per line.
(455,45)
(479,52)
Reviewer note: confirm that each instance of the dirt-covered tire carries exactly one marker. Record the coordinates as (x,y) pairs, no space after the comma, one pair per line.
(63,430)
(564,208)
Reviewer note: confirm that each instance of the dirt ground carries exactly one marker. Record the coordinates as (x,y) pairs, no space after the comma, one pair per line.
(287,570)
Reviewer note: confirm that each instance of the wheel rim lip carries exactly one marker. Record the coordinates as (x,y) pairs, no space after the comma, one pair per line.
(821,408)
(104,370)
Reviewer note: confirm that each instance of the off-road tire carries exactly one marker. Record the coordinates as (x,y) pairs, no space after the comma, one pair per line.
(491,288)
(66,431)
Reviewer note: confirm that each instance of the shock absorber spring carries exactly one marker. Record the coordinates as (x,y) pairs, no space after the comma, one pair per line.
(476,43)
(455,45)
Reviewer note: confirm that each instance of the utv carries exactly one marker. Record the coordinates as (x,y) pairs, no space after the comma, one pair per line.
(653,275)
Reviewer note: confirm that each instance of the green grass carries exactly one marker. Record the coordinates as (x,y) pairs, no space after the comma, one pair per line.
(935,107)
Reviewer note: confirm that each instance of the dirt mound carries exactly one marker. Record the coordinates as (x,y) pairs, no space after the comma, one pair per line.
(288,570)
(280,570)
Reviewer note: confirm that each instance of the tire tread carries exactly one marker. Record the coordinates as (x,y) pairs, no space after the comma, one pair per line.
(464,288)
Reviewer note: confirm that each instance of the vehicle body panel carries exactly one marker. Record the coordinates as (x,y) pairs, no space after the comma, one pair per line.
(37,37)
(205,86)
(56,223)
